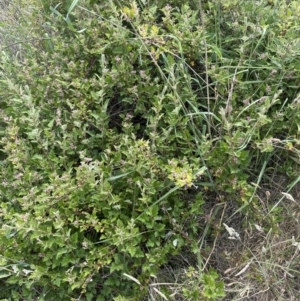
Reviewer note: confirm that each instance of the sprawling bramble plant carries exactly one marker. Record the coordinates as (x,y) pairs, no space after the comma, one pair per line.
(116,124)
(93,166)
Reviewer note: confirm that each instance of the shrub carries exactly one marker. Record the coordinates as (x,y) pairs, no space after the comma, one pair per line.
(95,167)
(121,122)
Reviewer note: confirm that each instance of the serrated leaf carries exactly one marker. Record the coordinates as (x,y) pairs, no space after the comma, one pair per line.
(4,274)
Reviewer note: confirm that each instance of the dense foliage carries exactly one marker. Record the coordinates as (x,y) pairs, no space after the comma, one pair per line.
(121,121)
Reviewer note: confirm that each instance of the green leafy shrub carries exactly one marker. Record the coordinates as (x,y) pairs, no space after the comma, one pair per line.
(121,122)
(92,188)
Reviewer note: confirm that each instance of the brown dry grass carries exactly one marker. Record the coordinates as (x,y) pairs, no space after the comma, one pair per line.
(263,266)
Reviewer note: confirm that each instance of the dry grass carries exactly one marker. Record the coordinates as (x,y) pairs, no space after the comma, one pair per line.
(263,266)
